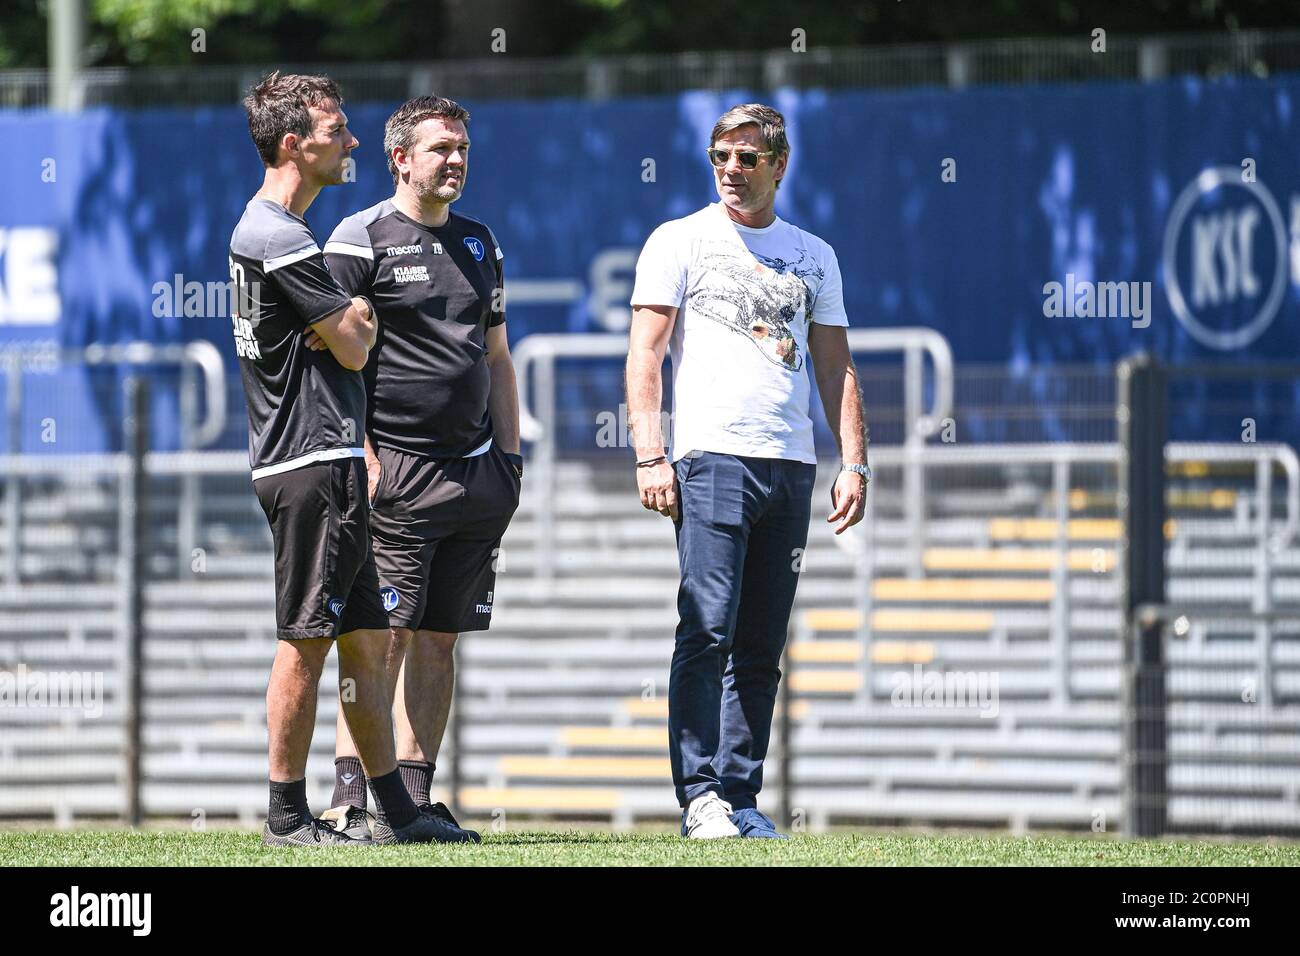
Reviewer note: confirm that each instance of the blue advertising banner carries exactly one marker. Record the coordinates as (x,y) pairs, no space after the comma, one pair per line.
(1030,225)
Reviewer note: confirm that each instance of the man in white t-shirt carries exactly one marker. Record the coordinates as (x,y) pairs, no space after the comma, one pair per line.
(742,301)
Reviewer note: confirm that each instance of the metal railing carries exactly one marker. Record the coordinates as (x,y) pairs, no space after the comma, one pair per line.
(202,386)
(1063,458)
(535,357)
(983,62)
(198,357)
(1146,788)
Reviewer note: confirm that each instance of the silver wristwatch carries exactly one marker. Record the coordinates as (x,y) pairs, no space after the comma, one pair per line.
(863,470)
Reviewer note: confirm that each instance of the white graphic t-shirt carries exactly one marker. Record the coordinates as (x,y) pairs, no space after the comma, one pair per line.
(739,350)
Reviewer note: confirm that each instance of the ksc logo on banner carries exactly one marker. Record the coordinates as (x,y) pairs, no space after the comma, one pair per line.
(1225,258)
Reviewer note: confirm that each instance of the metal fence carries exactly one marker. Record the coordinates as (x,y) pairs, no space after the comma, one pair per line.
(535,360)
(201,394)
(990,559)
(989,62)
(1243,737)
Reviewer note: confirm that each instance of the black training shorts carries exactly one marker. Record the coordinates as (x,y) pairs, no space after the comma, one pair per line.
(437,525)
(325,578)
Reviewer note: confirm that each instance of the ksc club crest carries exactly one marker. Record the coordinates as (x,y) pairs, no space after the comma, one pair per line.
(390,597)
(1225,258)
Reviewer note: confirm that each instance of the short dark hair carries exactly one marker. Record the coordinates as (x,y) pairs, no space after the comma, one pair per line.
(399,131)
(281,104)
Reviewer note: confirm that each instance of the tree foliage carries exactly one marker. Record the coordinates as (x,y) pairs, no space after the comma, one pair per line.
(161,32)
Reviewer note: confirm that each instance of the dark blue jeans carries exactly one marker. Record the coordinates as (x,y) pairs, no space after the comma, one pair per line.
(742,528)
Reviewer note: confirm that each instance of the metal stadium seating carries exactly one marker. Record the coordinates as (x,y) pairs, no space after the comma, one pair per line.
(562,709)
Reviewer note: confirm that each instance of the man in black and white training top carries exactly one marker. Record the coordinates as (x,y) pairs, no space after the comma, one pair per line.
(306,411)
(442,429)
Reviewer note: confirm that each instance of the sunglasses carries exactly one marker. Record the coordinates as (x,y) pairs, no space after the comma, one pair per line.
(748,157)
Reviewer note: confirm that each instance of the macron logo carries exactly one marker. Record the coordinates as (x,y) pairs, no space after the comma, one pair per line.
(414,250)
(103,909)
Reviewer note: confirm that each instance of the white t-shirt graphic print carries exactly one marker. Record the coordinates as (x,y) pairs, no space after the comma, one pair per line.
(739,350)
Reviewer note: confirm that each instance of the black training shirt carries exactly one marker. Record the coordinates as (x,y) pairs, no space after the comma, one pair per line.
(303,406)
(436,291)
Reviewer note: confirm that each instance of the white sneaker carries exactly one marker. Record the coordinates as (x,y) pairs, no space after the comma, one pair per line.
(708,818)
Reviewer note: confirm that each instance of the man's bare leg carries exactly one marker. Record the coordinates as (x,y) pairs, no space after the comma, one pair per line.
(422,703)
(291,704)
(421,671)
(290,719)
(421,707)
(366,698)
(349,776)
(366,701)
(421,694)
(394,787)
(399,638)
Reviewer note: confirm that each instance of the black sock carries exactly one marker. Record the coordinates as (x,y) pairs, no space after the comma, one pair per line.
(349,783)
(289,808)
(417,776)
(392,802)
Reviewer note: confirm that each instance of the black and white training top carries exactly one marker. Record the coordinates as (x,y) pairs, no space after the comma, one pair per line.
(303,406)
(436,291)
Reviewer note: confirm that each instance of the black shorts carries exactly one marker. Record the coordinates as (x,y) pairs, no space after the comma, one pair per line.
(437,525)
(325,578)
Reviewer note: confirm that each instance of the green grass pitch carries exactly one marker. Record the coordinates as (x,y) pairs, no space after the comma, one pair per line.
(581,848)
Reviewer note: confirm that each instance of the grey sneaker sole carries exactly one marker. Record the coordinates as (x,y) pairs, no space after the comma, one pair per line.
(306,836)
(360,831)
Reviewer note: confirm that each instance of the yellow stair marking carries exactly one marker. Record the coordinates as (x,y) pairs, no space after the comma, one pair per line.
(614,737)
(539,798)
(831,619)
(825,681)
(962,589)
(636,707)
(907,620)
(901,619)
(1015,559)
(1044,529)
(586,767)
(1214,499)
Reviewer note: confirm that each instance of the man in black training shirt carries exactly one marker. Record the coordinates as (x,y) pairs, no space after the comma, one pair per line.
(442,430)
(306,412)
